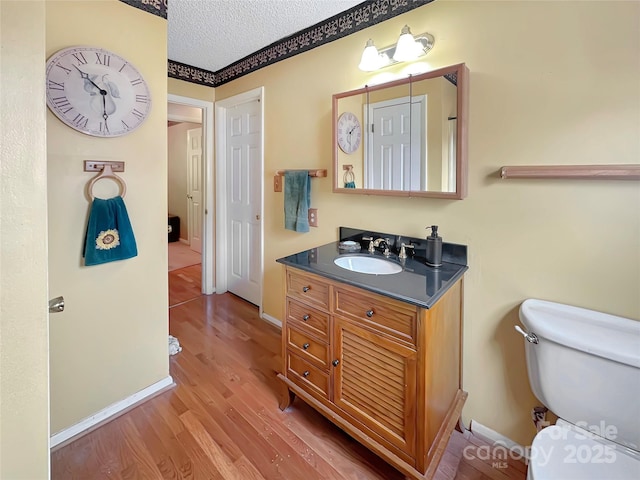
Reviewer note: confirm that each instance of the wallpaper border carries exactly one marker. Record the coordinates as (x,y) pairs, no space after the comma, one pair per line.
(156,7)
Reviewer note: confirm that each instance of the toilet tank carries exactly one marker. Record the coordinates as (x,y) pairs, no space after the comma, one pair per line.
(586,368)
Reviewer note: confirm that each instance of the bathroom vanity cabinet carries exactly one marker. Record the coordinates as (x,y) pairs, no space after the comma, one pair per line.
(386,371)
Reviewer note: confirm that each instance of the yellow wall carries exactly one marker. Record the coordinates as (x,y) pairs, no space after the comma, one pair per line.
(191,90)
(111,340)
(24,398)
(536,97)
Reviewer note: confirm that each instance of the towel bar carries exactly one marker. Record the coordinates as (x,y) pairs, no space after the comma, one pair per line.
(277,179)
(601,172)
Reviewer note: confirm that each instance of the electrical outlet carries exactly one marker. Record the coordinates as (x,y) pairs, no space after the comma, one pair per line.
(313,217)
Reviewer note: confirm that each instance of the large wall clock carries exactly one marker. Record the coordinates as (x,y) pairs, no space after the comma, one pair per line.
(349,132)
(96,91)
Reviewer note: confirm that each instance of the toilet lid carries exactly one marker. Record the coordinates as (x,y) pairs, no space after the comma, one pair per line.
(569,453)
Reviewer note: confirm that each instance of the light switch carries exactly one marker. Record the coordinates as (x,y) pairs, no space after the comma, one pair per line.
(313,217)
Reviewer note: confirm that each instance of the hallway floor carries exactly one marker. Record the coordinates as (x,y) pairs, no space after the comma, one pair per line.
(181,255)
(185,284)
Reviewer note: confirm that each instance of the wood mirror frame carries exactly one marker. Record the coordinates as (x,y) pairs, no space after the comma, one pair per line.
(358,102)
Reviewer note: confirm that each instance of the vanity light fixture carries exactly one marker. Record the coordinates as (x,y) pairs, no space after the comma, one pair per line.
(407,48)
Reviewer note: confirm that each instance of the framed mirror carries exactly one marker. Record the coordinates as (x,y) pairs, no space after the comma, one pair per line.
(407,137)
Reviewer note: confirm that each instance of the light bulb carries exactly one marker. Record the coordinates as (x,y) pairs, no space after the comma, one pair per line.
(406,48)
(370,60)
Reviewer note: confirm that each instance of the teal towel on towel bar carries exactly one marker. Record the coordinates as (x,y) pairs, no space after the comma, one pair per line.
(297,198)
(109,234)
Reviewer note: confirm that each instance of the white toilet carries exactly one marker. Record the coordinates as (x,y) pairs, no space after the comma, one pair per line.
(584,366)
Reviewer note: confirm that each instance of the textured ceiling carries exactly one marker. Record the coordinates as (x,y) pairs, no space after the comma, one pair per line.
(213,34)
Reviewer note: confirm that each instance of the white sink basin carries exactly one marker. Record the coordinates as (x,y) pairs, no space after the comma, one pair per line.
(370,265)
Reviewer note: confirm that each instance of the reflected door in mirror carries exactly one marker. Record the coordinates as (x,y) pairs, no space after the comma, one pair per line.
(396,140)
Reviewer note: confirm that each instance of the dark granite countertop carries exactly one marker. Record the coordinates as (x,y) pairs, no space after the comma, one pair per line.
(416,284)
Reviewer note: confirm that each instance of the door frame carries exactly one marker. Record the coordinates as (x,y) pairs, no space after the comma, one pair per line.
(208,251)
(221,107)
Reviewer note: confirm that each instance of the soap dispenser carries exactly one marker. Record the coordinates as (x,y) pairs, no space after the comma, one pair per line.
(434,248)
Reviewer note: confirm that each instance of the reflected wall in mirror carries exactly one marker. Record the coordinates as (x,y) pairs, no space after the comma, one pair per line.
(414,136)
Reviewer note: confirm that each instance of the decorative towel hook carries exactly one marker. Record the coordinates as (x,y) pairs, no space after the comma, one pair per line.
(106,170)
(349,178)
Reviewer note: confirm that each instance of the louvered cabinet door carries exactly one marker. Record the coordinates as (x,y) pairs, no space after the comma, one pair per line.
(375,382)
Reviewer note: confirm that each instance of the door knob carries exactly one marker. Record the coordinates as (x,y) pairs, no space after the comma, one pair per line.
(189,197)
(56,305)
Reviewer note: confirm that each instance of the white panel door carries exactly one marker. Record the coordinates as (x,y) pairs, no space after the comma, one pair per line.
(396,145)
(244,201)
(391,161)
(194,188)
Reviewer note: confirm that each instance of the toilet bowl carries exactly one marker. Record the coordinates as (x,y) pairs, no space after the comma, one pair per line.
(585,367)
(566,452)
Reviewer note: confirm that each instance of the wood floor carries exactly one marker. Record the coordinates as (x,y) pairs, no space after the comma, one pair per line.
(222,420)
(185,284)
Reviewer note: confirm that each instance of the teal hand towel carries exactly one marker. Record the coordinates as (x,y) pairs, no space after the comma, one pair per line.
(109,234)
(297,198)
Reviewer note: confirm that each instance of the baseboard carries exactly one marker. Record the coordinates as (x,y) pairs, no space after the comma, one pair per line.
(185,241)
(272,320)
(107,414)
(494,438)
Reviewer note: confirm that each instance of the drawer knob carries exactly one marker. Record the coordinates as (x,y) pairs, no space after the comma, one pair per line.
(369,313)
(305,346)
(335,363)
(305,373)
(305,317)
(306,289)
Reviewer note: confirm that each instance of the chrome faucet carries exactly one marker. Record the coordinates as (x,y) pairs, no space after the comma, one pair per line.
(370,240)
(378,243)
(373,244)
(403,251)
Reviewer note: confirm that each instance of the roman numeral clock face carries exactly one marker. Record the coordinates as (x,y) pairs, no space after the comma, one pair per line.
(349,132)
(96,92)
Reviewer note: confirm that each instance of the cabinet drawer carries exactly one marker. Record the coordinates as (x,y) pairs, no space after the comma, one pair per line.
(385,314)
(308,288)
(307,376)
(307,347)
(308,318)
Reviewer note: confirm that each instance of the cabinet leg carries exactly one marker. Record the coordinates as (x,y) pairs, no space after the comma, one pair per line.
(286,398)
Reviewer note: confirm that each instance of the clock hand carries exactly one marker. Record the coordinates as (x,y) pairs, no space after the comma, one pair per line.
(86,77)
(104,111)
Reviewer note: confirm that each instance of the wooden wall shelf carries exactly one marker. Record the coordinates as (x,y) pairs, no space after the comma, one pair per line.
(595,172)
(314,172)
